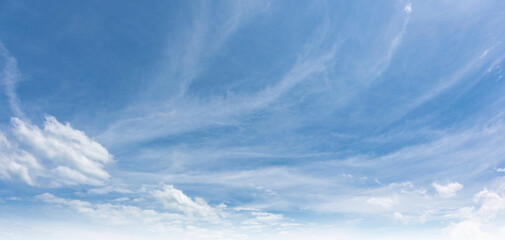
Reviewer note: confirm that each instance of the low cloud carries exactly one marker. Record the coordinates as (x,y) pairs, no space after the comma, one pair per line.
(113,214)
(57,154)
(16,163)
(174,199)
(449,190)
(178,210)
(480,222)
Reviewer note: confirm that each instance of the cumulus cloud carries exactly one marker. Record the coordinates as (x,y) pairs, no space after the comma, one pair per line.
(491,204)
(16,163)
(63,144)
(57,153)
(174,199)
(447,191)
(478,223)
(465,230)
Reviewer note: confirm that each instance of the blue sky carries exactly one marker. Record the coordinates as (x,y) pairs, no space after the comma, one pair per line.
(252,120)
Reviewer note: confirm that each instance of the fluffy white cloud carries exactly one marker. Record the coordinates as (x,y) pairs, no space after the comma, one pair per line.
(16,163)
(466,230)
(57,154)
(448,190)
(65,145)
(491,204)
(174,199)
(479,223)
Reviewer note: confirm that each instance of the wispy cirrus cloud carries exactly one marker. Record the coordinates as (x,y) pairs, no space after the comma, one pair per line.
(10,76)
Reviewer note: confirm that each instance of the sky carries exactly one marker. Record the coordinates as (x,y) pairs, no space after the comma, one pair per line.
(224,120)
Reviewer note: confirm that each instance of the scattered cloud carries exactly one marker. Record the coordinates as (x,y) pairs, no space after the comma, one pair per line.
(113,214)
(491,204)
(178,211)
(479,223)
(57,153)
(174,199)
(10,76)
(260,220)
(109,189)
(63,144)
(17,163)
(448,190)
(466,230)
(384,202)
(399,216)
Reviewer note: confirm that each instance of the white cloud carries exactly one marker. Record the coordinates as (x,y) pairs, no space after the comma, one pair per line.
(408,8)
(385,202)
(68,176)
(466,230)
(57,154)
(63,144)
(500,170)
(399,216)
(448,190)
(265,220)
(491,204)
(16,163)
(80,159)
(114,214)
(479,223)
(181,212)
(76,158)
(267,217)
(109,189)
(10,75)
(175,200)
